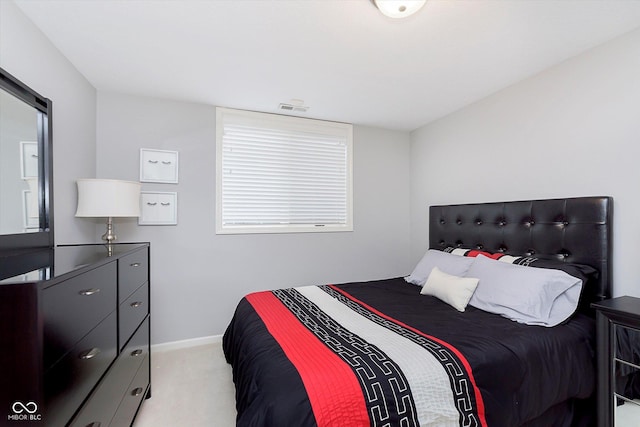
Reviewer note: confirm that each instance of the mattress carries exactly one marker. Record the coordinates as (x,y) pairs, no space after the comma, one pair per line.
(379,353)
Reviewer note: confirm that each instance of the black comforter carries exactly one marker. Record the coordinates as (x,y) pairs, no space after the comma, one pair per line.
(501,373)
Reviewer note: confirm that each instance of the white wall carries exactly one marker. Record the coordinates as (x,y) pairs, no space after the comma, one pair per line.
(572,130)
(30,57)
(198,277)
(17,124)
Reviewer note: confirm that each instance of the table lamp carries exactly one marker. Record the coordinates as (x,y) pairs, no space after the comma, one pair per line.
(108,198)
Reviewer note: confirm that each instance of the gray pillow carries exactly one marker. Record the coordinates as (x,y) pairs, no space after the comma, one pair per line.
(534,296)
(447,263)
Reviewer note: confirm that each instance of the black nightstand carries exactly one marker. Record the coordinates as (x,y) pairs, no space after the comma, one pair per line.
(618,340)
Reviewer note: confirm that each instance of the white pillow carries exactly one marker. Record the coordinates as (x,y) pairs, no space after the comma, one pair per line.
(455,291)
(534,296)
(447,263)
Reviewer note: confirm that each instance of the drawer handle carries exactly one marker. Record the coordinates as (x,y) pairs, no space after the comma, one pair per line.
(136,391)
(136,304)
(94,424)
(89,292)
(136,353)
(135,264)
(89,354)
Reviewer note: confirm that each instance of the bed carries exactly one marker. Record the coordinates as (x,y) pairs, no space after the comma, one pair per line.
(381,353)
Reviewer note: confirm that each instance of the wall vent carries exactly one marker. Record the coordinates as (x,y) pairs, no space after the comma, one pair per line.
(292,108)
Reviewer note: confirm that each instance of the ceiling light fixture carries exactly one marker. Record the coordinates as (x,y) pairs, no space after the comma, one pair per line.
(399,8)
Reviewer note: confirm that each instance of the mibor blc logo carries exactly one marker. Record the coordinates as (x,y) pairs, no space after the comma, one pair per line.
(21,411)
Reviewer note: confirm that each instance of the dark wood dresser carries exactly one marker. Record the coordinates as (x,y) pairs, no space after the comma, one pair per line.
(74,335)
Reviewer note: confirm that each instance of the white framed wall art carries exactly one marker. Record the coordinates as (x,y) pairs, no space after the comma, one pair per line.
(158,166)
(30,218)
(28,159)
(158,208)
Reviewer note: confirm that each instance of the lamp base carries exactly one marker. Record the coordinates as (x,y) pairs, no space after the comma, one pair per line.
(109,237)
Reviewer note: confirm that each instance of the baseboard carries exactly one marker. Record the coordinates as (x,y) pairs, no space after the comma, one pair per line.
(193,342)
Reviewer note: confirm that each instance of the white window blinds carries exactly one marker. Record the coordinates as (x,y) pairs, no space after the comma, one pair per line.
(282,174)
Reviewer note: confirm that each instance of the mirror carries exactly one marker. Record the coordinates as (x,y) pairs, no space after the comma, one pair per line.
(25,167)
(626,376)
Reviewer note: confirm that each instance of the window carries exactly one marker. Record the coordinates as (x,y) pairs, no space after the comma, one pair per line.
(281,174)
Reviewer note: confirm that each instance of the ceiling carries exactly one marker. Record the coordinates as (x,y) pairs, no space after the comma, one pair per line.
(346,60)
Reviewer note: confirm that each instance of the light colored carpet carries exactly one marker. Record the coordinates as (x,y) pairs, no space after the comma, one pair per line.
(628,415)
(189,387)
(193,387)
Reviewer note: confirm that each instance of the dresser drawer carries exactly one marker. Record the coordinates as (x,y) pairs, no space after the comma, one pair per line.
(74,307)
(114,387)
(132,312)
(133,271)
(136,350)
(68,382)
(133,397)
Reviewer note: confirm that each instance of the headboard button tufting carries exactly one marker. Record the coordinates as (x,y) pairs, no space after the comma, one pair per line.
(576,229)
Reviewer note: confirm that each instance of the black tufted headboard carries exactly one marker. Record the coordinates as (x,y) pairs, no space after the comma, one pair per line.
(576,230)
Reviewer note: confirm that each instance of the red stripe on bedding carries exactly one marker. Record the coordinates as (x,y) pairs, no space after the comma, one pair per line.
(474,253)
(332,387)
(463,360)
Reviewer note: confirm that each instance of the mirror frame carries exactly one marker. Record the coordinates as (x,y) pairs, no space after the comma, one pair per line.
(43,237)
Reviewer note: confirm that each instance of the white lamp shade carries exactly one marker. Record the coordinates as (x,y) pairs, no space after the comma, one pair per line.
(399,8)
(108,198)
